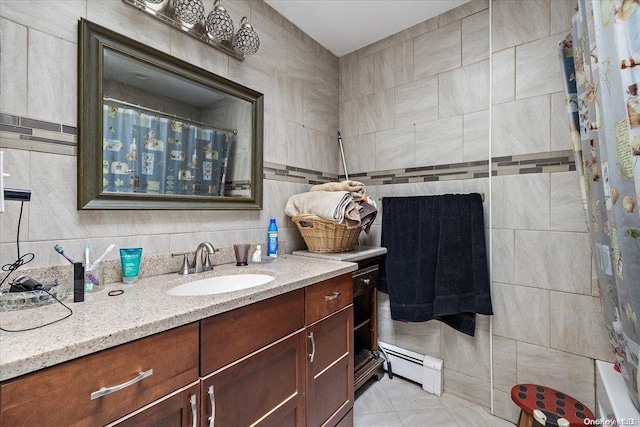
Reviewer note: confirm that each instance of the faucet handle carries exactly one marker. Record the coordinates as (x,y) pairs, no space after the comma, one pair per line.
(207,262)
(185,269)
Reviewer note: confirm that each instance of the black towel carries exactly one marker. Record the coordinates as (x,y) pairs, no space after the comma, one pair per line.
(436,262)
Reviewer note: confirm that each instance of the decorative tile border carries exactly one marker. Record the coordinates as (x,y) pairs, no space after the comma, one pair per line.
(36,135)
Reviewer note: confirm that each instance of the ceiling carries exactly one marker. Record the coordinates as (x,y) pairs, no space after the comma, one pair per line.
(343,26)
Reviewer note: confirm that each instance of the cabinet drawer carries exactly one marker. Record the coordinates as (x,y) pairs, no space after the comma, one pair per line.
(365,279)
(327,297)
(229,336)
(62,395)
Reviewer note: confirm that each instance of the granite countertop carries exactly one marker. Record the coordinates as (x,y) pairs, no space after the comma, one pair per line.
(358,253)
(144,309)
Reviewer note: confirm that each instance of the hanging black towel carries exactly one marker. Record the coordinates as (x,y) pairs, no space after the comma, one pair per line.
(436,262)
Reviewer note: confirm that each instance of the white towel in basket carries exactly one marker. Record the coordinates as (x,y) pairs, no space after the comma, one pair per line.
(330,205)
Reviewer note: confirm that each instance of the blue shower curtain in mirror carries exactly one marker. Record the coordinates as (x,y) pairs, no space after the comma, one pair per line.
(146,153)
(601,62)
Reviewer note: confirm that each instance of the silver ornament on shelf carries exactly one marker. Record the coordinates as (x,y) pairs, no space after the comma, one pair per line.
(246,40)
(189,12)
(219,24)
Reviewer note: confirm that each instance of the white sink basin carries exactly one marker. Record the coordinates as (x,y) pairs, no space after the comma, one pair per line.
(220,284)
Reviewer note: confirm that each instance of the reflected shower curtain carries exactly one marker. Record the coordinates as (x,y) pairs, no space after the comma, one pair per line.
(602,89)
(145,153)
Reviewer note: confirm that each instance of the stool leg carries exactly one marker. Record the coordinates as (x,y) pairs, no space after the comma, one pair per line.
(525,419)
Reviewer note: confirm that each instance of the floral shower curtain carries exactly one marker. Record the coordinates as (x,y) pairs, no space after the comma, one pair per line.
(601,61)
(146,153)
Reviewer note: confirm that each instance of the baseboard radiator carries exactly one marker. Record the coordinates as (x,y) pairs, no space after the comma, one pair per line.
(422,369)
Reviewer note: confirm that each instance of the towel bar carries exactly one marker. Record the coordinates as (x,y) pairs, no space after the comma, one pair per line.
(481,196)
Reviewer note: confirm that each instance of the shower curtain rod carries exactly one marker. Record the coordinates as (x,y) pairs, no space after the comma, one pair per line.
(481,196)
(173,116)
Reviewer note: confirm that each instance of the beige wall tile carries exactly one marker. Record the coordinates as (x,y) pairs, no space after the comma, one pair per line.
(521,313)
(560,134)
(503,252)
(567,213)
(437,51)
(464,90)
(465,354)
(476,136)
(262,78)
(377,46)
(467,387)
(58,19)
(565,372)
(386,326)
(315,110)
(301,61)
(395,148)
(362,79)
(274,44)
(504,407)
(515,23)
(13,68)
(521,127)
(535,59)
(375,112)
(199,54)
(346,80)
(504,363)
(416,30)
(129,22)
(439,142)
(288,98)
(504,75)
(553,260)
(416,102)
(275,139)
(561,13)
(327,73)
(349,122)
(393,66)
(421,337)
(577,326)
(520,201)
(462,11)
(51,79)
(360,153)
(475,37)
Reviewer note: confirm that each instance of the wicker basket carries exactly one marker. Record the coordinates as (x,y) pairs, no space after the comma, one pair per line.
(322,235)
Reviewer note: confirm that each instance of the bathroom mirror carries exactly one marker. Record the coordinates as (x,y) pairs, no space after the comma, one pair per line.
(155,132)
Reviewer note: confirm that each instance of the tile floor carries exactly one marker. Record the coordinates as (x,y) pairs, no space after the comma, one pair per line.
(401,403)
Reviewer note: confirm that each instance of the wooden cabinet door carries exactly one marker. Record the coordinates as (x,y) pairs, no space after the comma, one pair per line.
(179,409)
(330,368)
(102,387)
(265,388)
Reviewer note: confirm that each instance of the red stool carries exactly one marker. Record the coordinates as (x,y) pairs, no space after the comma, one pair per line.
(553,403)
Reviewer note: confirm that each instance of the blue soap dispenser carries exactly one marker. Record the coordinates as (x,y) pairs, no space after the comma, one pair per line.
(272,239)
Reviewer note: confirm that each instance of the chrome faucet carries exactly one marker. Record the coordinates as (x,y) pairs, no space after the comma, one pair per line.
(201,261)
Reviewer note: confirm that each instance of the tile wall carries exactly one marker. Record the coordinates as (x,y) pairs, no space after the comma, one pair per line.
(418,124)
(413,110)
(38,81)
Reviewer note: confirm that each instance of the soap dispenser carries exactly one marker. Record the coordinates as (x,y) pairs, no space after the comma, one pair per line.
(257,255)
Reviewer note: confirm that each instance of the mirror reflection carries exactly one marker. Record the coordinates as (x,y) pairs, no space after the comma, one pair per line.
(156,132)
(187,151)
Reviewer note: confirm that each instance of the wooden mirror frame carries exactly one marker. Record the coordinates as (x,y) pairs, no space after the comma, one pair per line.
(92,40)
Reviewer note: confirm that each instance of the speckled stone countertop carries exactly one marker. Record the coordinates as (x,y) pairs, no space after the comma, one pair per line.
(104,321)
(358,253)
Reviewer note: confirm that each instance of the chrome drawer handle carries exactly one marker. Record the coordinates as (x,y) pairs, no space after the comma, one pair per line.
(335,295)
(366,281)
(313,348)
(212,401)
(108,390)
(194,411)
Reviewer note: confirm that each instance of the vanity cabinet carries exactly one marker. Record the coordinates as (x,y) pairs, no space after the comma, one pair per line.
(178,409)
(101,387)
(284,361)
(367,360)
(329,369)
(252,364)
